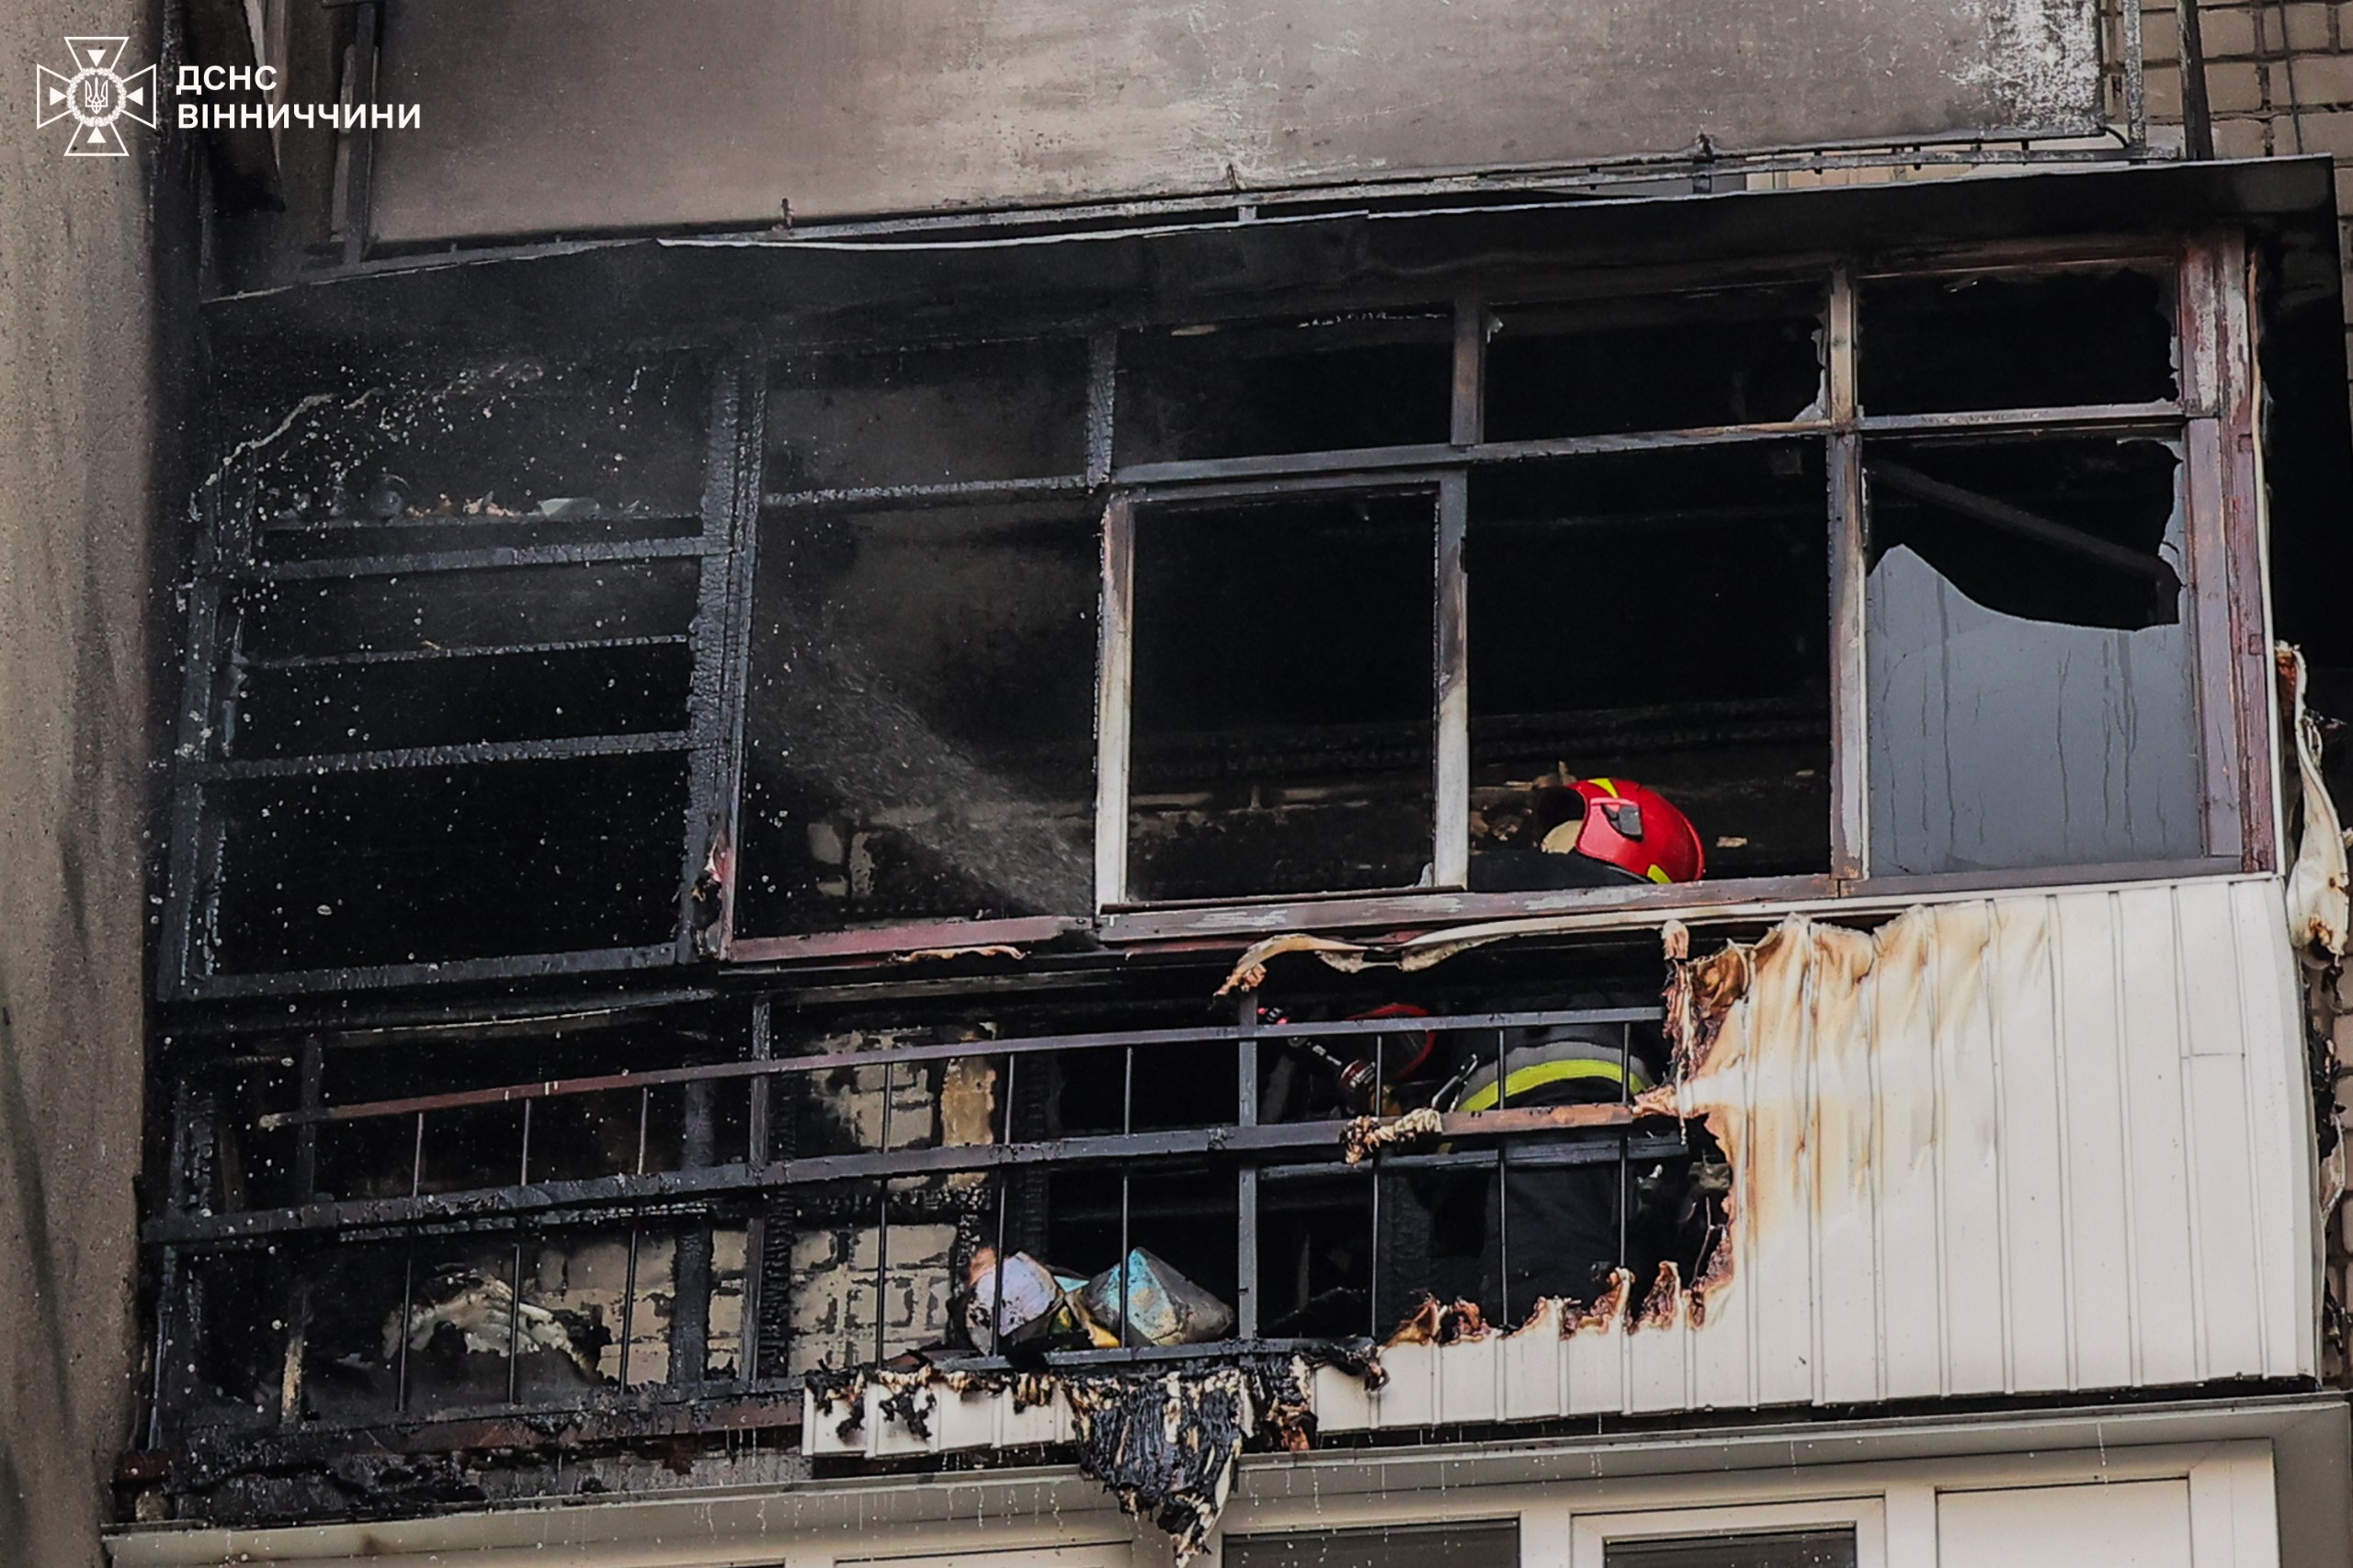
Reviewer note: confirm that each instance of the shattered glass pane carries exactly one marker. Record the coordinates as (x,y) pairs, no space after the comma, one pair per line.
(920,724)
(1283,731)
(1477,1545)
(1674,362)
(1245,389)
(1785,1549)
(2032,691)
(1660,617)
(1937,345)
(985,411)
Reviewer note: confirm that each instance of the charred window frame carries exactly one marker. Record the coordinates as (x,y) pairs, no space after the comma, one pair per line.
(2208,416)
(1088,478)
(321,589)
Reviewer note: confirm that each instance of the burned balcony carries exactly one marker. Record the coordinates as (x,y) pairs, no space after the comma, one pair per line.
(356,1252)
(1910,1156)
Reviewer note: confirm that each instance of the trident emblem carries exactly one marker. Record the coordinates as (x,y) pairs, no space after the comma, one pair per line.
(97,96)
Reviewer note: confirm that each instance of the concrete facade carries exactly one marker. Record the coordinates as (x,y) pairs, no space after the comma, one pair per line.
(78,406)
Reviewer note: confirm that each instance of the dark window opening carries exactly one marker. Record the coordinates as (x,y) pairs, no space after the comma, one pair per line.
(1660,617)
(519,452)
(1479,1545)
(1937,345)
(2031,691)
(920,717)
(992,411)
(1247,389)
(1283,730)
(454,698)
(352,620)
(1611,367)
(1781,1549)
(429,864)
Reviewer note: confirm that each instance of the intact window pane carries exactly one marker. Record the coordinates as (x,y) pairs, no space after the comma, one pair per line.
(1394,1546)
(1936,345)
(1245,389)
(2030,682)
(1283,710)
(927,416)
(1607,367)
(1785,1549)
(1661,617)
(920,720)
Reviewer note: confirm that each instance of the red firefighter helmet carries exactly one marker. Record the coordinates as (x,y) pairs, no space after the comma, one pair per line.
(1618,823)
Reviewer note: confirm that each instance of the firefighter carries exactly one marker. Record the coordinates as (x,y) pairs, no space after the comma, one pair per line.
(1588,833)
(1559,1229)
(1555,1229)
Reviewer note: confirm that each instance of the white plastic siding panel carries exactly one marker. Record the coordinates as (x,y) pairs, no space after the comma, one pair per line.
(2024,1144)
(2133,1524)
(2037,1143)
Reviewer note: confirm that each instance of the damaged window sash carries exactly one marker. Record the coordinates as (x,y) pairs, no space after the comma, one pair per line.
(2141,377)
(455,671)
(1835,364)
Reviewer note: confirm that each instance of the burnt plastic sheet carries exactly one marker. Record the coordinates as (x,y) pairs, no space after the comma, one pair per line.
(920,719)
(2031,689)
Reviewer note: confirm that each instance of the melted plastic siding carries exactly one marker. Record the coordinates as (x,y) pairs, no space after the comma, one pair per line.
(2027,1144)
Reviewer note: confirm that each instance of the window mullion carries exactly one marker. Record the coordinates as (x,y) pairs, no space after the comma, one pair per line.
(1451,856)
(1113,695)
(1849,674)
(1469,420)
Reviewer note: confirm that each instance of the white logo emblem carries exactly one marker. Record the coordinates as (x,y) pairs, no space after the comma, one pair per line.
(96,96)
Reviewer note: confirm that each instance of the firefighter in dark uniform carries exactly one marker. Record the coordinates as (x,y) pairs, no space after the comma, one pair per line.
(1556,1229)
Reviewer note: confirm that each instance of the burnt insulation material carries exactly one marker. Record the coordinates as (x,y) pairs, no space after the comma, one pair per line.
(1166,1444)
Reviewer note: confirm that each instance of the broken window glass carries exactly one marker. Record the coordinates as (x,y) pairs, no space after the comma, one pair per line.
(1659,617)
(920,722)
(1780,1549)
(2010,340)
(935,416)
(1674,362)
(519,452)
(1247,389)
(1451,1545)
(2032,691)
(1283,696)
(412,865)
